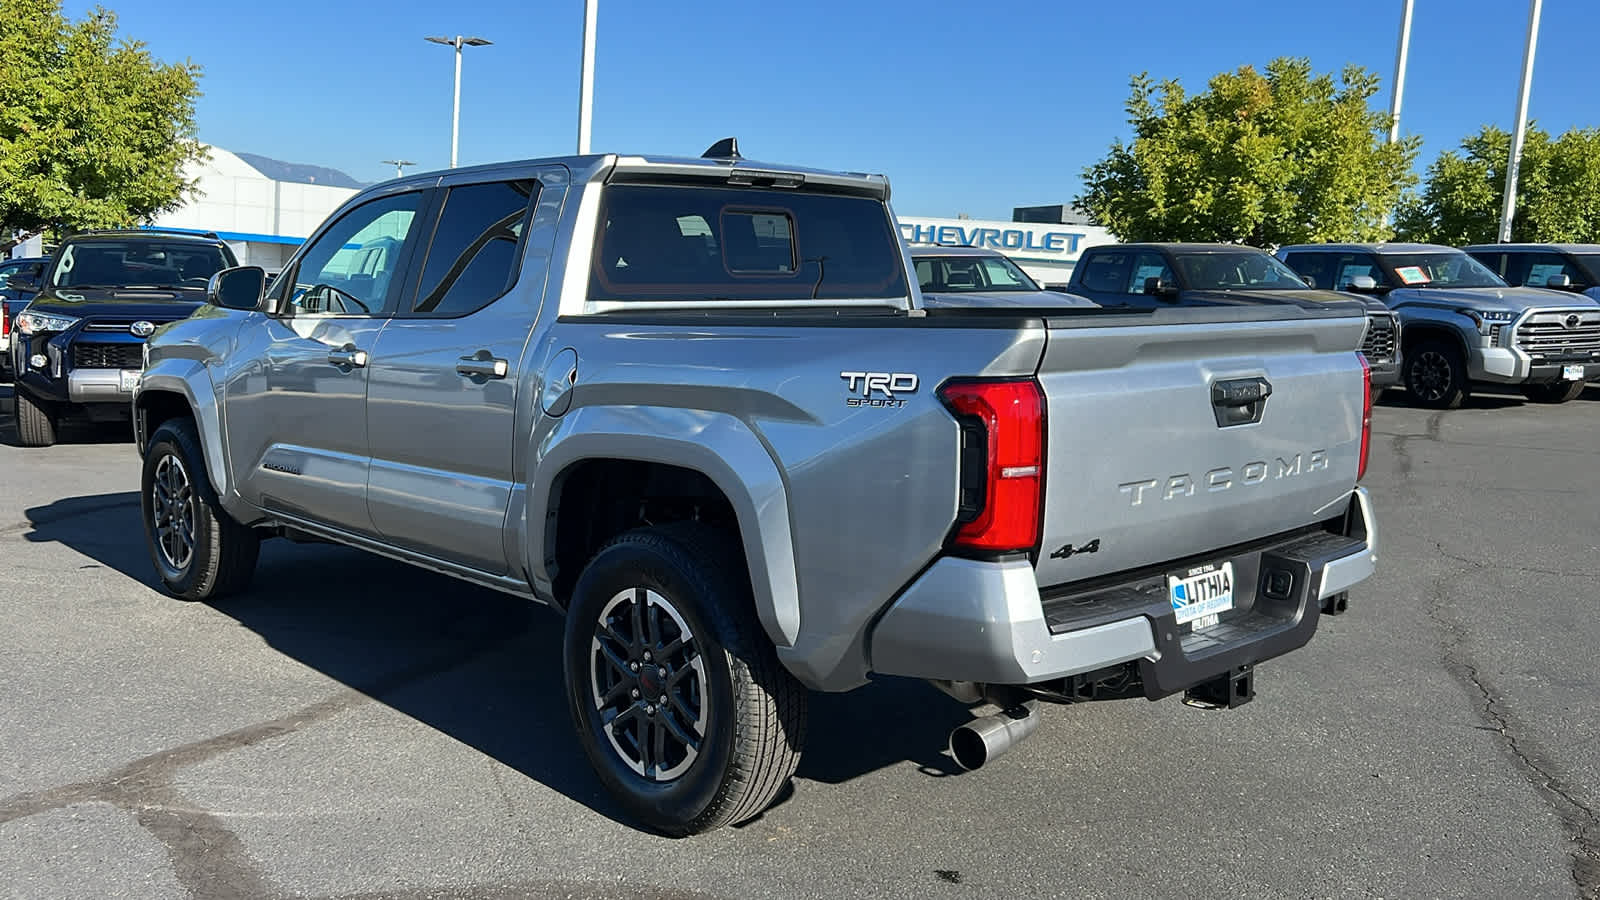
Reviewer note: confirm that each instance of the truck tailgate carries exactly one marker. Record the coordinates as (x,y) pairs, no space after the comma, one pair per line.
(1155,452)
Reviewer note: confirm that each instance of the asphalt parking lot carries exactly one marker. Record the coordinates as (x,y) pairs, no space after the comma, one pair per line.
(356,728)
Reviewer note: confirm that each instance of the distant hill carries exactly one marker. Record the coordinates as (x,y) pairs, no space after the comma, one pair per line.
(279,170)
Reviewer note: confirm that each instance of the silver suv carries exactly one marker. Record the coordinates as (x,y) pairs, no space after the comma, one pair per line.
(1462,324)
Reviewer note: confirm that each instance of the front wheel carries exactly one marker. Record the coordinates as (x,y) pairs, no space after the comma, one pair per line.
(1553,391)
(200,552)
(36,421)
(678,698)
(1436,375)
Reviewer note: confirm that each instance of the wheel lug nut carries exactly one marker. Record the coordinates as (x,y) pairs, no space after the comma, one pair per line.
(634,666)
(663,699)
(635,693)
(647,656)
(649,710)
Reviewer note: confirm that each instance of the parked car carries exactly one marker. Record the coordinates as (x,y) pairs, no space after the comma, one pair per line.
(1462,324)
(1560,267)
(1153,275)
(78,346)
(13,300)
(700,407)
(963,277)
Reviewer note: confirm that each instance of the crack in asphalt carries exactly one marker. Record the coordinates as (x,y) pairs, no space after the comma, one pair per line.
(206,856)
(1401,449)
(1578,817)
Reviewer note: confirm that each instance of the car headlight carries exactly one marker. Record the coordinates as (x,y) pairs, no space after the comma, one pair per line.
(30,322)
(1484,318)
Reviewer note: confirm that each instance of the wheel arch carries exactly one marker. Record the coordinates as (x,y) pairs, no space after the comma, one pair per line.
(1415,331)
(167,392)
(686,449)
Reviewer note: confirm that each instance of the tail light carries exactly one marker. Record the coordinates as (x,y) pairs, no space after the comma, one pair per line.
(5,319)
(1366,414)
(1002,463)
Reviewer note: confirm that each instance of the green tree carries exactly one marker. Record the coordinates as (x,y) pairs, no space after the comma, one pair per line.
(1558,191)
(94,132)
(1267,159)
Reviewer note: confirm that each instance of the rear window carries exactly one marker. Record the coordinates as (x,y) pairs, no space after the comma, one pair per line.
(669,243)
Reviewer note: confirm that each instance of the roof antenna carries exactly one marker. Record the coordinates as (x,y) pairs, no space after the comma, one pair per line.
(727,148)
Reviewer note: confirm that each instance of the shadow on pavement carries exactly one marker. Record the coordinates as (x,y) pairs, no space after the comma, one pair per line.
(1399,399)
(69,431)
(480,666)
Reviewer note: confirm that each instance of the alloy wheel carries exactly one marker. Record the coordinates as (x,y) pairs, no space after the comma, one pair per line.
(172,511)
(1431,375)
(648,684)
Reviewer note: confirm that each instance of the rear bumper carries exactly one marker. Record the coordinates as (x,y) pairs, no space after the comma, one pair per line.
(969,620)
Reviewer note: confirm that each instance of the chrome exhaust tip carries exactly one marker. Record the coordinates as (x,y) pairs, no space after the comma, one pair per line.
(978,742)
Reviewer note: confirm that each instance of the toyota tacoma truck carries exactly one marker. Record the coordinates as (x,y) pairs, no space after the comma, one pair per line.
(1462,325)
(697,406)
(77,347)
(1206,274)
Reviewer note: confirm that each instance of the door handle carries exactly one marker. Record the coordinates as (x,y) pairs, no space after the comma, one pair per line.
(482,365)
(348,356)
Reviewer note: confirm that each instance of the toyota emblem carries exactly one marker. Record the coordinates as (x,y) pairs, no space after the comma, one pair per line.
(142,329)
(1572,321)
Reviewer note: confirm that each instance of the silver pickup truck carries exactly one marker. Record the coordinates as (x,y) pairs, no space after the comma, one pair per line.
(698,407)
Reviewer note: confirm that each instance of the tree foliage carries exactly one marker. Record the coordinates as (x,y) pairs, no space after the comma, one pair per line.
(1269,158)
(1558,191)
(94,132)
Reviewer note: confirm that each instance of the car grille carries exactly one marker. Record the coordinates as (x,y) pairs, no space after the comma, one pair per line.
(107,356)
(1378,347)
(1560,334)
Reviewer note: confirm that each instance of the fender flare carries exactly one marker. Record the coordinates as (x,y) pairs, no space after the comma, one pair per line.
(717,445)
(190,380)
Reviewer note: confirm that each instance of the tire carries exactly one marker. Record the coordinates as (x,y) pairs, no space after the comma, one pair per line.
(199,551)
(36,422)
(750,714)
(1553,391)
(1436,375)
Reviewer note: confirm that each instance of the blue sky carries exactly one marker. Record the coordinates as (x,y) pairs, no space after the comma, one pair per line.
(968,107)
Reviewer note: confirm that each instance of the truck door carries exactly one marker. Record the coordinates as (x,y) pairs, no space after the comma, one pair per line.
(447,374)
(296,414)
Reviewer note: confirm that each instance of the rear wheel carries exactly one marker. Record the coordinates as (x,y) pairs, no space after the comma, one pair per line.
(678,698)
(200,552)
(1436,375)
(1553,391)
(36,420)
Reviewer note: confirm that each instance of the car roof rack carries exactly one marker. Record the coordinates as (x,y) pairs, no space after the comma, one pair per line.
(150,229)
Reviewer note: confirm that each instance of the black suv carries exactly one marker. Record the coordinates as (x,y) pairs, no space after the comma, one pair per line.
(78,347)
(1152,275)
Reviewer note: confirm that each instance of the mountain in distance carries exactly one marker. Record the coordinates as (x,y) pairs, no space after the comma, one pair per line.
(278,170)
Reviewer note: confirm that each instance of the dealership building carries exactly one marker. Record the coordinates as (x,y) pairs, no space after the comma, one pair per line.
(264,219)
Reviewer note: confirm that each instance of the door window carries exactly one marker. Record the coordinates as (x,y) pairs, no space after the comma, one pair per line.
(350,268)
(1145,267)
(476,248)
(1351,265)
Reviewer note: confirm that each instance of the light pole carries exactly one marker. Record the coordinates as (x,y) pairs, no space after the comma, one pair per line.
(399,165)
(455,109)
(1400,72)
(1509,208)
(586,76)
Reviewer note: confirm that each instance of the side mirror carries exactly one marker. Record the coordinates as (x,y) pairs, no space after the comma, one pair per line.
(1310,282)
(1362,284)
(1160,287)
(1562,282)
(240,287)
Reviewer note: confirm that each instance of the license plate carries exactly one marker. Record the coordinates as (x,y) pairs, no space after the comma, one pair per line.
(130,380)
(1201,594)
(1572,373)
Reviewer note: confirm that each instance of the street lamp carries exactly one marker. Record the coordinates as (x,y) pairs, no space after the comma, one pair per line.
(455,110)
(1508,206)
(399,165)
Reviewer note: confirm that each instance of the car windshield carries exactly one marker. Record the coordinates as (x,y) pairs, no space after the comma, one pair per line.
(964,274)
(7,270)
(1443,268)
(137,264)
(1591,265)
(1244,270)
